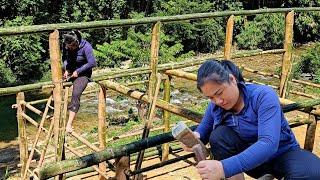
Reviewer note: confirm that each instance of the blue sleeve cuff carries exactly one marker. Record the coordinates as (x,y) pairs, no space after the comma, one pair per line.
(231,166)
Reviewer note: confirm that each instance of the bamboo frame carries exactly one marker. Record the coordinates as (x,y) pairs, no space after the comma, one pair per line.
(23,143)
(228,41)
(287,56)
(37,136)
(47,140)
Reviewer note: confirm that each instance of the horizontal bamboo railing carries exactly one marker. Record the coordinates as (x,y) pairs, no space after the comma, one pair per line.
(148,20)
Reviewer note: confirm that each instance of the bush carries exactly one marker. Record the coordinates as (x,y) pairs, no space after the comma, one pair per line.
(137,48)
(309,62)
(266,31)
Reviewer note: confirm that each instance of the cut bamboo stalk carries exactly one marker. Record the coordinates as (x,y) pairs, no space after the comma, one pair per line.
(304,94)
(166,117)
(23,143)
(160,103)
(101,173)
(102,126)
(306,83)
(46,143)
(46,110)
(149,122)
(30,119)
(287,56)
(310,134)
(228,41)
(155,45)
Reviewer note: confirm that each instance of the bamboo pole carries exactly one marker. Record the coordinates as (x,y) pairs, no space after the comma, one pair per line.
(84,141)
(287,56)
(310,134)
(30,119)
(37,136)
(147,20)
(56,69)
(160,103)
(65,166)
(23,143)
(228,41)
(122,164)
(306,83)
(101,173)
(166,117)
(155,45)
(148,123)
(102,126)
(259,72)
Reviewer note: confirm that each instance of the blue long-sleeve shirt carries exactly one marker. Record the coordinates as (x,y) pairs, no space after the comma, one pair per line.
(261,123)
(81,60)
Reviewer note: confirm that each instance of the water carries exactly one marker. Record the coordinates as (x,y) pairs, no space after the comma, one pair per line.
(8,121)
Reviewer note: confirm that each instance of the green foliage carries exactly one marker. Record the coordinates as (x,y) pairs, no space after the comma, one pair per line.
(309,62)
(21,55)
(265,32)
(137,48)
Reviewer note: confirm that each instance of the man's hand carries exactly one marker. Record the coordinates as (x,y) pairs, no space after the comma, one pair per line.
(74,74)
(210,170)
(65,75)
(184,147)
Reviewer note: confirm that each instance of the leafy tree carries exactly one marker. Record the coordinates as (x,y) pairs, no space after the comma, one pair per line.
(22,55)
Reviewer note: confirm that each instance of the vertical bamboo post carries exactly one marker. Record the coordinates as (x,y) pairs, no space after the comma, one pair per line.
(229,34)
(287,56)
(154,55)
(23,144)
(311,133)
(166,116)
(122,164)
(102,126)
(56,71)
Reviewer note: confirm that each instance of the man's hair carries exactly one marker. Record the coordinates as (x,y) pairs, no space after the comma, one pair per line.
(215,71)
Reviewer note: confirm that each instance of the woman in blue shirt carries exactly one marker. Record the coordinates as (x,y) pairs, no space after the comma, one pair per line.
(78,62)
(247,130)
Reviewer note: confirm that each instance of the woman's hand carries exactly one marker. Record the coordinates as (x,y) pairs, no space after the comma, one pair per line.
(65,75)
(74,74)
(184,147)
(210,170)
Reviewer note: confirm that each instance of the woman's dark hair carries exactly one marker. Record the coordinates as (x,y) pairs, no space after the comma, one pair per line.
(72,36)
(213,70)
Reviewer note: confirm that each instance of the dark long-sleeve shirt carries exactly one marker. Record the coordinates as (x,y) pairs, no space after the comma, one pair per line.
(81,60)
(260,123)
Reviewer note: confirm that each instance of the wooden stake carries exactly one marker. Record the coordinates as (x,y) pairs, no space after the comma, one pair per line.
(229,34)
(102,126)
(166,117)
(287,56)
(310,134)
(122,164)
(23,143)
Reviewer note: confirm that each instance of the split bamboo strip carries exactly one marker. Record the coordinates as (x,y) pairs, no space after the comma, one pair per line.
(23,143)
(311,133)
(149,121)
(259,72)
(228,41)
(102,126)
(166,117)
(46,143)
(287,56)
(110,153)
(147,20)
(46,110)
(101,173)
(154,55)
(306,83)
(136,71)
(160,103)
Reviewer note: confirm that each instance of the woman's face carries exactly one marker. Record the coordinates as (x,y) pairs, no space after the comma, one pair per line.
(224,95)
(72,46)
